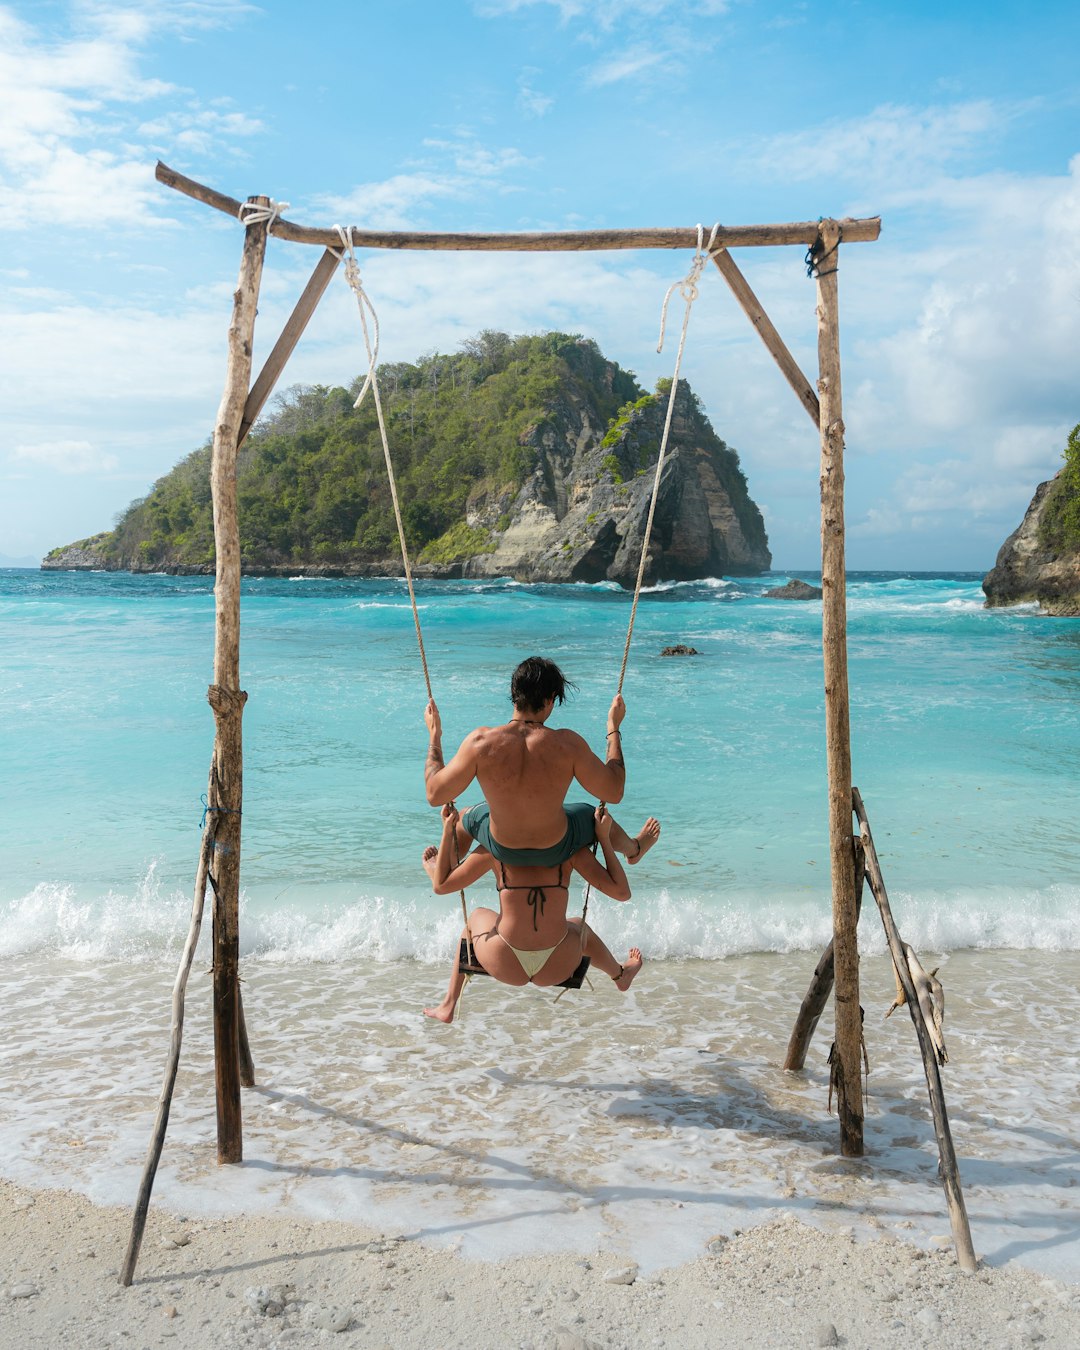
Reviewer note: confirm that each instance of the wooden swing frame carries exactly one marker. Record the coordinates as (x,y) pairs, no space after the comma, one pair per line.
(242,402)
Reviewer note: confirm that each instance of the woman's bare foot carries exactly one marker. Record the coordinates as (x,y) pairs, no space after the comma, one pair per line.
(630,968)
(428,859)
(645,838)
(444,1012)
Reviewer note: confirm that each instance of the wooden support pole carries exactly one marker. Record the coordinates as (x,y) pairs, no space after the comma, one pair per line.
(753,310)
(813,1005)
(837,710)
(172,1064)
(227,699)
(286,343)
(573,241)
(949,1171)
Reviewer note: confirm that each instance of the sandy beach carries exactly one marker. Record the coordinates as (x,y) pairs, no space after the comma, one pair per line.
(273,1280)
(609,1172)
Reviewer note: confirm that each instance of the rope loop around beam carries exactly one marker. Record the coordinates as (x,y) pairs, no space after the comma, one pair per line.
(252,213)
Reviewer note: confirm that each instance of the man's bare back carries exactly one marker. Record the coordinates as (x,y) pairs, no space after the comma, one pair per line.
(524,767)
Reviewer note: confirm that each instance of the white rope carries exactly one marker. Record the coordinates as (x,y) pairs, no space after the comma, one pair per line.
(688,289)
(363,302)
(251,213)
(366,308)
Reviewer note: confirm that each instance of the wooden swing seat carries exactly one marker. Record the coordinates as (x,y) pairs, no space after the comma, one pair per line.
(574,981)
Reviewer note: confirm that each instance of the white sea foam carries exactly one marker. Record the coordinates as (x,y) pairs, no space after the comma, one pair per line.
(325,925)
(642,1123)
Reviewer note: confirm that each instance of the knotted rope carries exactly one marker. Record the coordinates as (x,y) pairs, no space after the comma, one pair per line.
(252,213)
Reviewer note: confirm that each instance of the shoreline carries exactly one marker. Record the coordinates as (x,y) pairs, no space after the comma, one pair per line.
(274,1279)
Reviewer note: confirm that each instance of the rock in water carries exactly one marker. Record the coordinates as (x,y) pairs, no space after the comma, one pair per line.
(680,650)
(794,590)
(1029,569)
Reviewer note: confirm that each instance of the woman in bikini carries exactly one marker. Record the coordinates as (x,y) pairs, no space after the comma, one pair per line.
(530,940)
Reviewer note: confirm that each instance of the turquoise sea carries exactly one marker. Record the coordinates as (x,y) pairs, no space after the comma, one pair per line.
(965,726)
(641,1123)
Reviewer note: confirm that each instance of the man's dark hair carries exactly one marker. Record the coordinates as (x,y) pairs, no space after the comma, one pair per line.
(535,681)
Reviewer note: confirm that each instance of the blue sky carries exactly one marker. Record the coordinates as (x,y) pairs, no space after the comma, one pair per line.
(958,123)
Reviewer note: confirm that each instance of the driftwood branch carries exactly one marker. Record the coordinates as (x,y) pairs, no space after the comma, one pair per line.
(950,1172)
(161,1121)
(727,236)
(813,1005)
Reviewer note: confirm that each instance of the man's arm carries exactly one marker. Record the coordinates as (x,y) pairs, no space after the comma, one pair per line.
(443,782)
(605,779)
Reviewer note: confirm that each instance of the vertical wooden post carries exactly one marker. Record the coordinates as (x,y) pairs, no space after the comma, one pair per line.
(826,255)
(227,699)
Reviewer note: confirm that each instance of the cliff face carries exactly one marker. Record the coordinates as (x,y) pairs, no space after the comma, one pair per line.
(533,458)
(1028,569)
(582,513)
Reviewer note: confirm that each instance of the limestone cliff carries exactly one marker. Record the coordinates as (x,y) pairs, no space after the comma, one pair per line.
(1030,567)
(530,457)
(581,515)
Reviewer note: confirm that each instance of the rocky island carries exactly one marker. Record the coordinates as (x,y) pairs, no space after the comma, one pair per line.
(1040,560)
(528,457)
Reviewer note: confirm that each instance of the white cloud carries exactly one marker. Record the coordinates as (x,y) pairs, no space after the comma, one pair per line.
(626,65)
(531,102)
(67,457)
(892,145)
(71,148)
(455,169)
(608,14)
(654,37)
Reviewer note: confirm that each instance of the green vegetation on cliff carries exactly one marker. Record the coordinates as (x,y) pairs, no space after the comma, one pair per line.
(1059,526)
(466,430)
(312,484)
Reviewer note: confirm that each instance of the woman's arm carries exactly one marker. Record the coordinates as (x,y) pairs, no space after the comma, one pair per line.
(610,878)
(445,877)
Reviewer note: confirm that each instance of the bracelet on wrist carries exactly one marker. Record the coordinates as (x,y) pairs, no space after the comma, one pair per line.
(616,732)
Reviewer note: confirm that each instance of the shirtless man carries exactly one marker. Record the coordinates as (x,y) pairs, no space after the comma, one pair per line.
(524,769)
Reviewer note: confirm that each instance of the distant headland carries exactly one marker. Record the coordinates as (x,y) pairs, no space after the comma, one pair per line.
(528,457)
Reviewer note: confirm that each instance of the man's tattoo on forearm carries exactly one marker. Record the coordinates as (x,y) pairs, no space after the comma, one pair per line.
(434,761)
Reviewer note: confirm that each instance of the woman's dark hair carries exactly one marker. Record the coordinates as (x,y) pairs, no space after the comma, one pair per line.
(535,681)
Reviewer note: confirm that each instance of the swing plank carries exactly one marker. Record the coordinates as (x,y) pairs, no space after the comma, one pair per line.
(574,981)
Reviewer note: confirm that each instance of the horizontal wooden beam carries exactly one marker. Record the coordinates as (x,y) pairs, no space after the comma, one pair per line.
(572,241)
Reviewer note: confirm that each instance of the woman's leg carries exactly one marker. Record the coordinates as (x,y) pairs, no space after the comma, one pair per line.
(444,1012)
(602,959)
(634,846)
(490,951)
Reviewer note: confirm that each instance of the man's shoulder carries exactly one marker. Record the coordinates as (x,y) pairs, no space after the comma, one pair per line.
(569,739)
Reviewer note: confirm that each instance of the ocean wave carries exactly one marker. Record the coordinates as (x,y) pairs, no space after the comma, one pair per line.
(319,928)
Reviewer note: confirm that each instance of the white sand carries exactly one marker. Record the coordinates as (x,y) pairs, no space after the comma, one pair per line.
(505,1166)
(268,1281)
